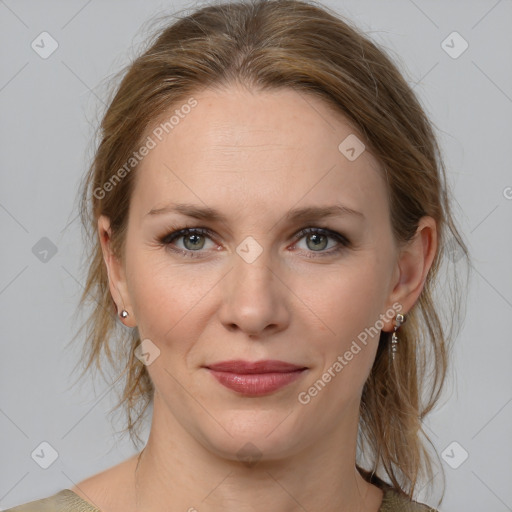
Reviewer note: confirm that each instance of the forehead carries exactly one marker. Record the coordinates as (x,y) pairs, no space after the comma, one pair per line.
(257,151)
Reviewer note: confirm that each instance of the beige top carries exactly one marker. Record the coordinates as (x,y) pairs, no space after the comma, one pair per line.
(68,501)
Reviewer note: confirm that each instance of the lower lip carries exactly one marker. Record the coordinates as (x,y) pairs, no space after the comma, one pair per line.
(256,384)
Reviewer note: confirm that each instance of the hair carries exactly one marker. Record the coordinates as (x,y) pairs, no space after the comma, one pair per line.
(269,45)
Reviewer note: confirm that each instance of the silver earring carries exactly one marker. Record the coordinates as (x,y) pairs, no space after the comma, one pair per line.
(399,320)
(123,313)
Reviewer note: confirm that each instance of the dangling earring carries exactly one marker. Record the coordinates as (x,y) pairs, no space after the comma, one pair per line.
(123,313)
(399,320)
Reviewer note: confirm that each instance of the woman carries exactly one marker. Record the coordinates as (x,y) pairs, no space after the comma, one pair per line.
(268,211)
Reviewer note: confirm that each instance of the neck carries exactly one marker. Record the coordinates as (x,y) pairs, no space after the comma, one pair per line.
(174,470)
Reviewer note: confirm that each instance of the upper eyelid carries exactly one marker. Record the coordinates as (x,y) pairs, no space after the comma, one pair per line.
(176,234)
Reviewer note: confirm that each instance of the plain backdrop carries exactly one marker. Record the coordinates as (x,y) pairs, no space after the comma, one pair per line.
(49,110)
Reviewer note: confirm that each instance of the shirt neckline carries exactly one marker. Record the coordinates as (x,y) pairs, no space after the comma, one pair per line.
(387,490)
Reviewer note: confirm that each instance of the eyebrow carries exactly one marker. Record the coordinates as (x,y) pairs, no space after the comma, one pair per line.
(298,214)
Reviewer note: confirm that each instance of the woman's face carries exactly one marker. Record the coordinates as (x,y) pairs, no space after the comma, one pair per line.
(247,288)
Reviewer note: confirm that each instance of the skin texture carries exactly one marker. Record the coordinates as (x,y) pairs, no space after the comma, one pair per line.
(254,156)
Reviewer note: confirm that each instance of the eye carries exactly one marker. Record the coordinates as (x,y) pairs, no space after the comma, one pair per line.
(193,241)
(317,241)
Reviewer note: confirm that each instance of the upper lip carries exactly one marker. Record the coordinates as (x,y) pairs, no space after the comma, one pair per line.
(264,366)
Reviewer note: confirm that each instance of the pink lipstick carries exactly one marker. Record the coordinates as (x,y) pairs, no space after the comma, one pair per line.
(255,378)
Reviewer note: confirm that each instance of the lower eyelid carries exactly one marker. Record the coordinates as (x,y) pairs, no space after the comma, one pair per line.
(171,238)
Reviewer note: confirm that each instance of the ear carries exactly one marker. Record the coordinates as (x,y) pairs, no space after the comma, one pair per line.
(116,273)
(414,262)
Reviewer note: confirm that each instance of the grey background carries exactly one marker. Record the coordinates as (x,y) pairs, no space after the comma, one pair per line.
(49,111)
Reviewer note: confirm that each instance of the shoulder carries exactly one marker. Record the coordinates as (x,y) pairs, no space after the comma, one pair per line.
(393,501)
(111,489)
(63,501)
(94,494)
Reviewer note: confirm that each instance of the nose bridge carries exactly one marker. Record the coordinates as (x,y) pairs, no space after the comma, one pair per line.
(253,270)
(253,297)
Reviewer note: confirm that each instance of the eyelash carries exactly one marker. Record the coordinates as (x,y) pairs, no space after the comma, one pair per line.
(175,234)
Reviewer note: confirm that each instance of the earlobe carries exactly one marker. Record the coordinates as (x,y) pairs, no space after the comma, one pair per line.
(414,262)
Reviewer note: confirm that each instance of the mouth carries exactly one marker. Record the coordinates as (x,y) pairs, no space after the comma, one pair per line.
(255,378)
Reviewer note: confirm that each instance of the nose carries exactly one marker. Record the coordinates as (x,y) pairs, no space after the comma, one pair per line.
(255,297)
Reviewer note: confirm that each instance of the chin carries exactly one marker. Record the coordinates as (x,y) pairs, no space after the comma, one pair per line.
(252,450)
(254,436)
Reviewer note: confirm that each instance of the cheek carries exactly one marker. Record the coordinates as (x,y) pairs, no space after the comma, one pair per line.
(166,296)
(346,308)
(345,300)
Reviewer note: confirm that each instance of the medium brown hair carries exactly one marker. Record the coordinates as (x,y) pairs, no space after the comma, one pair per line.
(273,44)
